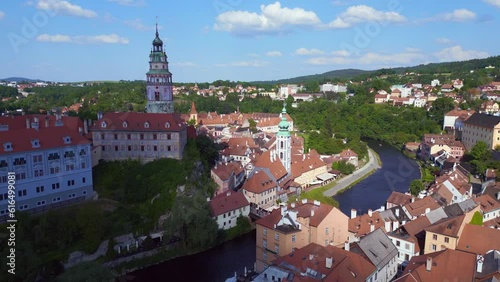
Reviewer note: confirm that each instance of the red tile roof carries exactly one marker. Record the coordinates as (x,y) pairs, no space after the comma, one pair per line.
(447,227)
(399,199)
(447,265)
(19,122)
(259,183)
(134,121)
(48,138)
(223,170)
(226,202)
(478,239)
(419,207)
(275,166)
(487,203)
(360,225)
(303,210)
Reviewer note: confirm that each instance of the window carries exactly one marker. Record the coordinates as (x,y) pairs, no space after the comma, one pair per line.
(55,186)
(21,175)
(71,183)
(38,172)
(155,148)
(129,136)
(398,243)
(277,248)
(70,196)
(104,124)
(36,159)
(57,199)
(142,148)
(264,231)
(3,196)
(433,247)
(293,238)
(264,244)
(407,246)
(169,148)
(434,237)
(169,136)
(167,125)
(23,207)
(146,124)
(40,189)
(155,136)
(115,136)
(129,148)
(40,203)
(326,242)
(116,148)
(125,124)
(141,136)
(19,161)
(264,256)
(21,193)
(54,170)
(326,230)
(277,236)
(83,179)
(84,164)
(70,167)
(446,239)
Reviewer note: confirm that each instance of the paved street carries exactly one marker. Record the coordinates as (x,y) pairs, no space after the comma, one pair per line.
(348,180)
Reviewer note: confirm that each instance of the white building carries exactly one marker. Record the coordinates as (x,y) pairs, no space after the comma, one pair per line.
(328,87)
(435,82)
(51,163)
(227,207)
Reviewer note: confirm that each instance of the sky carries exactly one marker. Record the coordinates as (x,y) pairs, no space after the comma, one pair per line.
(76,40)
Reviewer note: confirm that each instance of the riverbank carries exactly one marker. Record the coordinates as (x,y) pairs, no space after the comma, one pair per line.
(348,181)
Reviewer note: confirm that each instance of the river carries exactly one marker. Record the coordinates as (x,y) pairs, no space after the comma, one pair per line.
(221,262)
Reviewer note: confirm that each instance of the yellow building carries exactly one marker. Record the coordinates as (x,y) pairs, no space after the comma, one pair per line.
(481,127)
(297,225)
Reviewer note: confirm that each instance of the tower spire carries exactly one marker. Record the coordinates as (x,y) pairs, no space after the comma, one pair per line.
(157,26)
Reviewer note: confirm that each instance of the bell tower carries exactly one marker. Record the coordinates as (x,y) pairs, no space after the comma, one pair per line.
(284,141)
(159,88)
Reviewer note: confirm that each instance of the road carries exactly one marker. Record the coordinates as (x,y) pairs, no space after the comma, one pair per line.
(348,180)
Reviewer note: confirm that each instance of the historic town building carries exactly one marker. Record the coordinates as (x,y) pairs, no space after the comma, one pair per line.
(158,133)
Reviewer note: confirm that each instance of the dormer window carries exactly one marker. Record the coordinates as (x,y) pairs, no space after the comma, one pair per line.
(69,154)
(83,152)
(167,124)
(67,140)
(35,143)
(125,124)
(7,146)
(104,124)
(146,124)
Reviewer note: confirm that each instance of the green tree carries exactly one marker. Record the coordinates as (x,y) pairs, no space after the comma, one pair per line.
(344,167)
(440,107)
(477,219)
(416,186)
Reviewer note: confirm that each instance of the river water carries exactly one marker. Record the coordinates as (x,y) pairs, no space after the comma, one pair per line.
(221,262)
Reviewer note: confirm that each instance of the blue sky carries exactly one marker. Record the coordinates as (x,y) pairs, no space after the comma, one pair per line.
(78,40)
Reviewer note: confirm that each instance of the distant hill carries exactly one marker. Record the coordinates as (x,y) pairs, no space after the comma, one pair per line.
(19,79)
(431,68)
(344,73)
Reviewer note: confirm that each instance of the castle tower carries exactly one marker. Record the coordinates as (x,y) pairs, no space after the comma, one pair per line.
(284,141)
(159,90)
(193,114)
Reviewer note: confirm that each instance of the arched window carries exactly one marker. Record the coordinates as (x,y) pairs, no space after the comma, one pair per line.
(146,124)
(167,124)
(281,155)
(104,124)
(125,124)
(281,145)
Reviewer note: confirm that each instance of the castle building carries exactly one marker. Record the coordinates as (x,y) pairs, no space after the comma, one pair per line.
(46,159)
(158,133)
(159,88)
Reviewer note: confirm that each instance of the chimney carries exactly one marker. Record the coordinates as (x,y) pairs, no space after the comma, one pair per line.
(99,115)
(293,205)
(317,203)
(28,123)
(498,195)
(387,226)
(397,212)
(480,261)
(80,130)
(372,227)
(328,263)
(395,225)
(427,210)
(47,121)
(413,199)
(228,193)
(353,213)
(304,201)
(312,213)
(428,264)
(311,256)
(346,245)
(370,212)
(382,208)
(403,222)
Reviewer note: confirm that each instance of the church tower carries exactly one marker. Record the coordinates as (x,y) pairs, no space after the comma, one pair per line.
(284,141)
(159,89)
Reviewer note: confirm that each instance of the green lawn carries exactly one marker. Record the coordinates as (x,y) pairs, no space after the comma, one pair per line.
(317,194)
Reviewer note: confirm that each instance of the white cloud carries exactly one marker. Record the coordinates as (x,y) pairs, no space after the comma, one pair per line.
(412,50)
(457,53)
(495,3)
(65,7)
(308,52)
(2,15)
(184,64)
(272,18)
(83,39)
(53,38)
(341,53)
(362,13)
(255,64)
(443,40)
(128,2)
(460,15)
(274,54)
(139,25)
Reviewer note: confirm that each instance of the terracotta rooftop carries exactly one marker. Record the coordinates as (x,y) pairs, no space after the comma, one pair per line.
(224,170)
(345,265)
(134,121)
(275,166)
(24,140)
(483,120)
(304,163)
(478,239)
(19,122)
(460,113)
(226,202)
(448,226)
(303,210)
(360,225)
(259,183)
(419,207)
(399,199)
(416,226)
(447,265)
(487,203)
